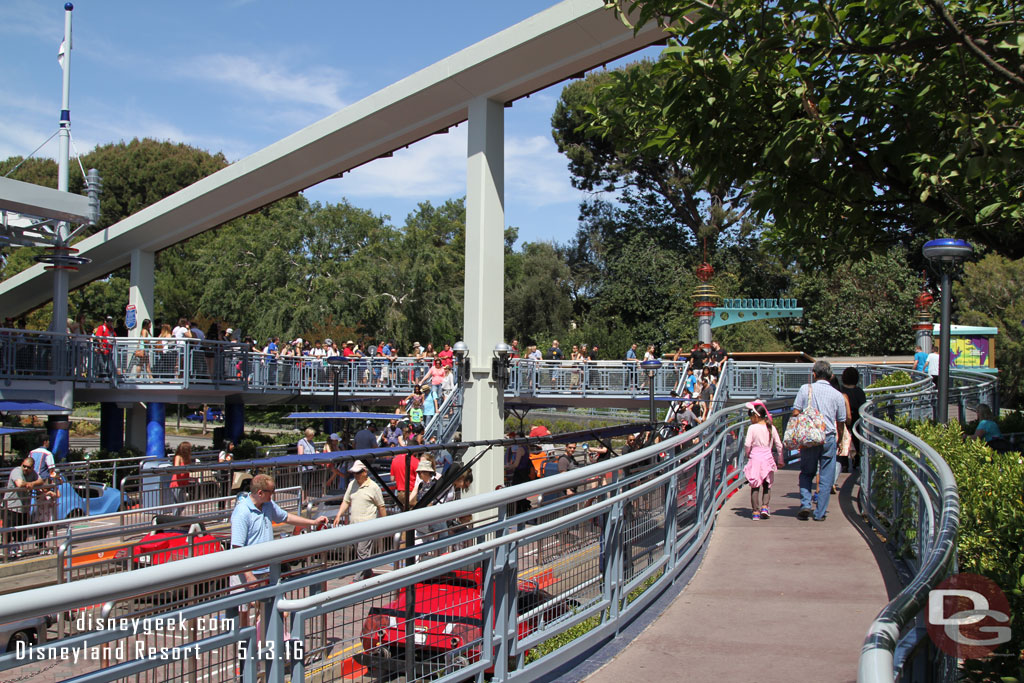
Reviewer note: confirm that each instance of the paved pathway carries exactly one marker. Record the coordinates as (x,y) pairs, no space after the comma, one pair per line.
(776,600)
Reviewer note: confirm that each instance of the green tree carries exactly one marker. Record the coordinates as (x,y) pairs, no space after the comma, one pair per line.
(990,295)
(658,193)
(139,173)
(862,307)
(38,171)
(647,291)
(537,303)
(863,124)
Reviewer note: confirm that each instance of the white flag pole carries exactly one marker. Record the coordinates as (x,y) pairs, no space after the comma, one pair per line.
(58,323)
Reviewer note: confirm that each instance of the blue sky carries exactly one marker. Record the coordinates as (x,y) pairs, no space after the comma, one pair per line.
(237,75)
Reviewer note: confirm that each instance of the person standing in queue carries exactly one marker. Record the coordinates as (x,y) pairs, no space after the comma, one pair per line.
(366,501)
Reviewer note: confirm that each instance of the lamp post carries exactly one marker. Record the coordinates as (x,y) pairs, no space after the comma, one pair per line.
(461,351)
(335,362)
(500,365)
(946,254)
(651,367)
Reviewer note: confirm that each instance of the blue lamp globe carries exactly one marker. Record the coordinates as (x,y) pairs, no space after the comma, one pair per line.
(947,250)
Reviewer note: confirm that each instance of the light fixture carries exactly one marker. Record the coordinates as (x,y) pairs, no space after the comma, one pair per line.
(500,364)
(946,254)
(461,351)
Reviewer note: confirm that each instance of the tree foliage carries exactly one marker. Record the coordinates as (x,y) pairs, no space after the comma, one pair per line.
(658,193)
(861,123)
(537,303)
(863,307)
(990,295)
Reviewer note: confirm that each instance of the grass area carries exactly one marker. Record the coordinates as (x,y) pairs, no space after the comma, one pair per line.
(587,625)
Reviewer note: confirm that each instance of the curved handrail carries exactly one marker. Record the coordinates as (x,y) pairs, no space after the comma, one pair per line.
(707,453)
(937,545)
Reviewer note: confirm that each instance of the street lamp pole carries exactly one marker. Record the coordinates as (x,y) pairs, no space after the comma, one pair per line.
(651,367)
(946,254)
(335,362)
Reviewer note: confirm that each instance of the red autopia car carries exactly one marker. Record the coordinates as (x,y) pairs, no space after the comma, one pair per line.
(448,624)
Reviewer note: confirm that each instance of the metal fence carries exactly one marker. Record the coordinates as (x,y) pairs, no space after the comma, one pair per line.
(908,493)
(583,563)
(135,361)
(515,597)
(591,378)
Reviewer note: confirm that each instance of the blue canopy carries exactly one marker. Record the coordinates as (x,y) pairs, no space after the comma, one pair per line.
(4,431)
(32,406)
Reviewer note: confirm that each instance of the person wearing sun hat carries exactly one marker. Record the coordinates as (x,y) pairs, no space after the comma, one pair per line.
(762,442)
(366,501)
(424,482)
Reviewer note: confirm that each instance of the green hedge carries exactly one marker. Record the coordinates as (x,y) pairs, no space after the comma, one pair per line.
(991,540)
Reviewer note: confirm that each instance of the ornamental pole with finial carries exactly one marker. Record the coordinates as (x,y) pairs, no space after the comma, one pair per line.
(704,298)
(924,327)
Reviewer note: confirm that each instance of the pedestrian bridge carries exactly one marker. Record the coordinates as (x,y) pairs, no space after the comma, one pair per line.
(539,594)
(193,371)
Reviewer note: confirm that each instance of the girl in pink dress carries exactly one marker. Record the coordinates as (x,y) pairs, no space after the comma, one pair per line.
(764,449)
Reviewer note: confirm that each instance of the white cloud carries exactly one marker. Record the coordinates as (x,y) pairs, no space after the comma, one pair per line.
(263,78)
(535,173)
(19,139)
(435,167)
(41,20)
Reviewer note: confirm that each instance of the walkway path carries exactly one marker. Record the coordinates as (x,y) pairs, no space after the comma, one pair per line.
(775,600)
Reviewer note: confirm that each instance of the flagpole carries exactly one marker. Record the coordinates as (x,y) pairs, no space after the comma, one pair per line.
(58,323)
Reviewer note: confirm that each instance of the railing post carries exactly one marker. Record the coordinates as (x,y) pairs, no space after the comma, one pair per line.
(275,627)
(671,520)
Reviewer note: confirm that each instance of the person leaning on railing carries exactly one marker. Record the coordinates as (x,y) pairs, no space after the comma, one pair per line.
(252,522)
(21,483)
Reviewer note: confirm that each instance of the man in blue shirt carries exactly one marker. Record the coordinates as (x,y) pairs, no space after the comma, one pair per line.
(633,366)
(920,359)
(252,522)
(832,406)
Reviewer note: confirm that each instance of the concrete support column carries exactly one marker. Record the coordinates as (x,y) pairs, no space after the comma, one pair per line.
(234,421)
(135,433)
(484,310)
(111,427)
(155,416)
(140,293)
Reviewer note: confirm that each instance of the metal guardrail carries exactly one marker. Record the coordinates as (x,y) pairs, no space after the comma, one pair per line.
(590,378)
(909,493)
(184,363)
(570,572)
(634,522)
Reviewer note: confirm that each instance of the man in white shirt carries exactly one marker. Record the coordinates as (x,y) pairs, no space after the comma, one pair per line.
(933,365)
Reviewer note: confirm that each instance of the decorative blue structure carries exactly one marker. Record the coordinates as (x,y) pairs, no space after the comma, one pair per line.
(234,421)
(111,427)
(156,414)
(734,311)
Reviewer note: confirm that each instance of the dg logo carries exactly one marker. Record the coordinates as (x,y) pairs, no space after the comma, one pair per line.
(968,616)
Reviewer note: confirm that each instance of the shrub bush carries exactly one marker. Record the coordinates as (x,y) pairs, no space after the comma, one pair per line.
(248,449)
(991,541)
